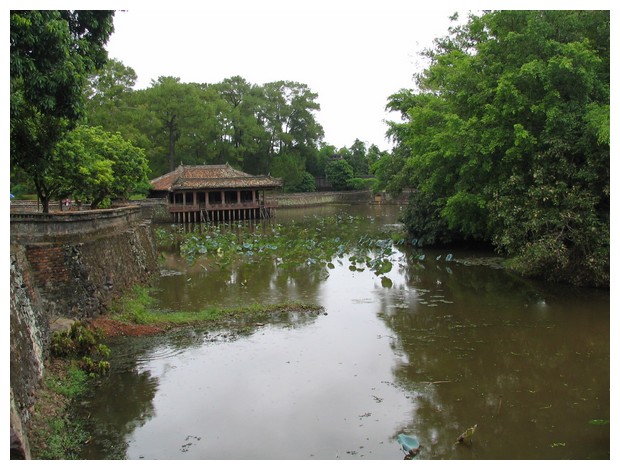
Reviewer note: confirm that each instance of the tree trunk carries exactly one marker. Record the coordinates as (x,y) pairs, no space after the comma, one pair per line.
(171,151)
(172,130)
(42,194)
(45,202)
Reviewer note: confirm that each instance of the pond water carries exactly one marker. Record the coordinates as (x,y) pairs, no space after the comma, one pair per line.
(428,349)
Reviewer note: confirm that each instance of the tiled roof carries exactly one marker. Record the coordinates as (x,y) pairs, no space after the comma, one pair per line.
(212,177)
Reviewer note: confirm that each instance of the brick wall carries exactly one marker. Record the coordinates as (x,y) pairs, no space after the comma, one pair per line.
(70,275)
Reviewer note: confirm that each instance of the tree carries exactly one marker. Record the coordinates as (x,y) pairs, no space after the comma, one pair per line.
(317,161)
(506,140)
(107,94)
(241,131)
(287,116)
(289,167)
(357,158)
(97,166)
(52,54)
(339,172)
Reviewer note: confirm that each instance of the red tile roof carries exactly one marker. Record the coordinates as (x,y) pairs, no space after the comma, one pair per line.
(212,177)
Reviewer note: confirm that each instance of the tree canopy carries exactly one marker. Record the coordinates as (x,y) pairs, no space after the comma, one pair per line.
(506,140)
(53,53)
(98,166)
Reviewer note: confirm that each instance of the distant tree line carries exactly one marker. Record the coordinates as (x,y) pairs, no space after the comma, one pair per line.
(260,129)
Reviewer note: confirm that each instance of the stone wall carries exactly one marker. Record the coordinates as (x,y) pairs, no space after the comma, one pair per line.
(319,198)
(70,266)
(32,227)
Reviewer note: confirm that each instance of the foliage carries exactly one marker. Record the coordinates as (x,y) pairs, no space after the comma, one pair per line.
(82,342)
(307,184)
(506,140)
(312,244)
(94,165)
(361,183)
(290,169)
(356,157)
(251,127)
(339,172)
(260,129)
(52,54)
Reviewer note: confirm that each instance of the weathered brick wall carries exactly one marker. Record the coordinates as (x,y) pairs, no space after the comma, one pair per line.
(79,279)
(73,276)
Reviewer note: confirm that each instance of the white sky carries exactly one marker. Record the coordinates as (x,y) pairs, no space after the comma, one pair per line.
(354,54)
(354,57)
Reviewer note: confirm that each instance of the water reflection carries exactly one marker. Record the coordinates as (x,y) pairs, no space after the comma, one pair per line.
(443,346)
(528,363)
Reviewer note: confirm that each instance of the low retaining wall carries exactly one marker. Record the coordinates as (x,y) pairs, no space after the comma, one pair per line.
(34,227)
(66,266)
(319,198)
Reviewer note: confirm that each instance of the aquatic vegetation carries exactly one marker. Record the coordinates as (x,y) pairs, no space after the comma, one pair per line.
(313,243)
(138,307)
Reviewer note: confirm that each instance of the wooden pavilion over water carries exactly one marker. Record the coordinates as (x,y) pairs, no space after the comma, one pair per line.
(212,193)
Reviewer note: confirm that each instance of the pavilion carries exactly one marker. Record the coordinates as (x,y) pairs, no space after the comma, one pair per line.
(211,193)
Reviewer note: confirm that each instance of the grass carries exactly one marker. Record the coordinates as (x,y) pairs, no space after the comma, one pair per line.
(53,434)
(138,307)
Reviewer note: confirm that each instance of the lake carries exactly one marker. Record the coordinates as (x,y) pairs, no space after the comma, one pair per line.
(441,342)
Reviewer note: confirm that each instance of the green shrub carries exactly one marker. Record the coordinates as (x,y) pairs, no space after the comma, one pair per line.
(84,344)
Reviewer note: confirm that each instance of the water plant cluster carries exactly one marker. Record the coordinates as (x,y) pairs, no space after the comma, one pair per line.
(314,242)
(83,344)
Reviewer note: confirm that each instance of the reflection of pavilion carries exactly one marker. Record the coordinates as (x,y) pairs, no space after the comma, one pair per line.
(205,193)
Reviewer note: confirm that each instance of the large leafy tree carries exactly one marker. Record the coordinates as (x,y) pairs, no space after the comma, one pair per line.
(98,166)
(507,140)
(108,93)
(52,54)
(242,134)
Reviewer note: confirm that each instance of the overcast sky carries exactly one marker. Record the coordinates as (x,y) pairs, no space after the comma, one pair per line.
(352,53)
(354,57)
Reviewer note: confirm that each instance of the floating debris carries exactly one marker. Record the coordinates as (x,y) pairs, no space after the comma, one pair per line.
(169,272)
(409,444)
(466,435)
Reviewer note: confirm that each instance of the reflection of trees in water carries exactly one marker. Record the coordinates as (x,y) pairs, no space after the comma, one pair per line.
(122,402)
(240,284)
(215,281)
(528,364)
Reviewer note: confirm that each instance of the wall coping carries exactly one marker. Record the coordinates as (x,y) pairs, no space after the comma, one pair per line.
(35,227)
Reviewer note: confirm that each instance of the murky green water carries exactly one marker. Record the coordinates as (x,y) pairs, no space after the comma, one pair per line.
(439,348)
